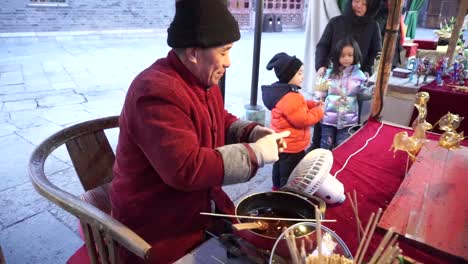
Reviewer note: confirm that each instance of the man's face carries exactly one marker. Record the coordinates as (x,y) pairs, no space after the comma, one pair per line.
(212,63)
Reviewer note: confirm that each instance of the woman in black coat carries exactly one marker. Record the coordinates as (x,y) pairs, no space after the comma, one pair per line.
(357,21)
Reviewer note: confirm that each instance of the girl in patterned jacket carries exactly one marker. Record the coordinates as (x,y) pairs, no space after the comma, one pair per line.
(290,111)
(347,84)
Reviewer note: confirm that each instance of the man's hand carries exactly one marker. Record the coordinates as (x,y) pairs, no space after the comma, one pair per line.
(258,132)
(281,144)
(271,145)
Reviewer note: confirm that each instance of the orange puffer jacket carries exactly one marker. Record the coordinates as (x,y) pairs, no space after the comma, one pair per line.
(291,111)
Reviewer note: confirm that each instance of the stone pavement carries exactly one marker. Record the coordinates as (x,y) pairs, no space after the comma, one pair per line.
(51,83)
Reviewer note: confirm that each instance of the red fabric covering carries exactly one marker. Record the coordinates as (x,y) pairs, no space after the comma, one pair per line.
(80,256)
(411,49)
(442,100)
(428,44)
(376,175)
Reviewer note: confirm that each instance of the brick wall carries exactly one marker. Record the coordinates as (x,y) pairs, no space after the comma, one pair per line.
(89,15)
(243,18)
(292,20)
(84,15)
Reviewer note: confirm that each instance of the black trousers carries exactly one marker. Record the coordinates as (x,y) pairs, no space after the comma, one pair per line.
(284,166)
(316,137)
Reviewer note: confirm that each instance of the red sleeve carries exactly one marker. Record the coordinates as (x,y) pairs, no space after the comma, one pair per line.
(311,104)
(295,110)
(228,119)
(162,128)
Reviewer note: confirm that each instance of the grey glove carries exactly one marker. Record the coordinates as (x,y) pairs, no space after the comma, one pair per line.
(258,132)
(267,148)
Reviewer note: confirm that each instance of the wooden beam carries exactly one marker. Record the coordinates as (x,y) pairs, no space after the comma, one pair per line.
(456,30)
(385,65)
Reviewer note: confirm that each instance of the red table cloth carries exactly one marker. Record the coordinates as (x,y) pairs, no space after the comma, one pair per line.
(376,175)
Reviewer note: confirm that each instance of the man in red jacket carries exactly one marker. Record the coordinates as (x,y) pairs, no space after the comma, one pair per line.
(177,145)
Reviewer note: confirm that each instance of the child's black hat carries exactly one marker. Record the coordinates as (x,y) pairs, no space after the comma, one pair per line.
(285,66)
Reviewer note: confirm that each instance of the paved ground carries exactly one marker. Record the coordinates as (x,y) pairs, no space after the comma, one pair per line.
(49,84)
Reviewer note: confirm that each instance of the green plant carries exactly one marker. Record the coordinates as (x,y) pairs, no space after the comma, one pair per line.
(446,28)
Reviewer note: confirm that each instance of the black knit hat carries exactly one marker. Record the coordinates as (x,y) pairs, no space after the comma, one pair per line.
(202,24)
(285,66)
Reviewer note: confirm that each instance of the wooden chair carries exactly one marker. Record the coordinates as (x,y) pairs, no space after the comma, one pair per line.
(92,158)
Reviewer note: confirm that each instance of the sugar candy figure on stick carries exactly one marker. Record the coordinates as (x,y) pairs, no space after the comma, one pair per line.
(428,66)
(413,67)
(420,70)
(441,69)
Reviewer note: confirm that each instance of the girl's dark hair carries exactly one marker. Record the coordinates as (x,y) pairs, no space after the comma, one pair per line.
(335,56)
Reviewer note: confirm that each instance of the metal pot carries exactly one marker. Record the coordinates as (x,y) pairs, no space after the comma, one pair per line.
(289,204)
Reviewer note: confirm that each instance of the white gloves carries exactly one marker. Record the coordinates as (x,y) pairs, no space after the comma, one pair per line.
(268,147)
(258,132)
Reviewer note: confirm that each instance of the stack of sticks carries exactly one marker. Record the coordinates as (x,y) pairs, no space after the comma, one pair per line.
(387,251)
(300,256)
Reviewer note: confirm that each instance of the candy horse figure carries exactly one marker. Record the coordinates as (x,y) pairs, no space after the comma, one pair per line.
(410,144)
(413,144)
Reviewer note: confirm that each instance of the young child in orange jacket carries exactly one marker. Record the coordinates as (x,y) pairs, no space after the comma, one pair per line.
(289,111)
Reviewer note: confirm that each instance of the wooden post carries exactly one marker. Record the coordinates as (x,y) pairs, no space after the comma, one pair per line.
(456,30)
(385,66)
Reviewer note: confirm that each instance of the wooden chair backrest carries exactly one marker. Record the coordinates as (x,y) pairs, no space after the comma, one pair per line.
(92,158)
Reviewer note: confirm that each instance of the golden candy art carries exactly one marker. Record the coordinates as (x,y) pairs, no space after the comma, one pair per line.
(321,84)
(449,123)
(413,144)
(450,140)
(421,104)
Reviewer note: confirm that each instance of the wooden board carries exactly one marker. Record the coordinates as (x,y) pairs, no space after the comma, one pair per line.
(431,204)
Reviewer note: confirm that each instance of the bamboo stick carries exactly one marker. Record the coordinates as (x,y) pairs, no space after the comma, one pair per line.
(318,231)
(356,215)
(382,245)
(371,233)
(267,218)
(291,242)
(366,231)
